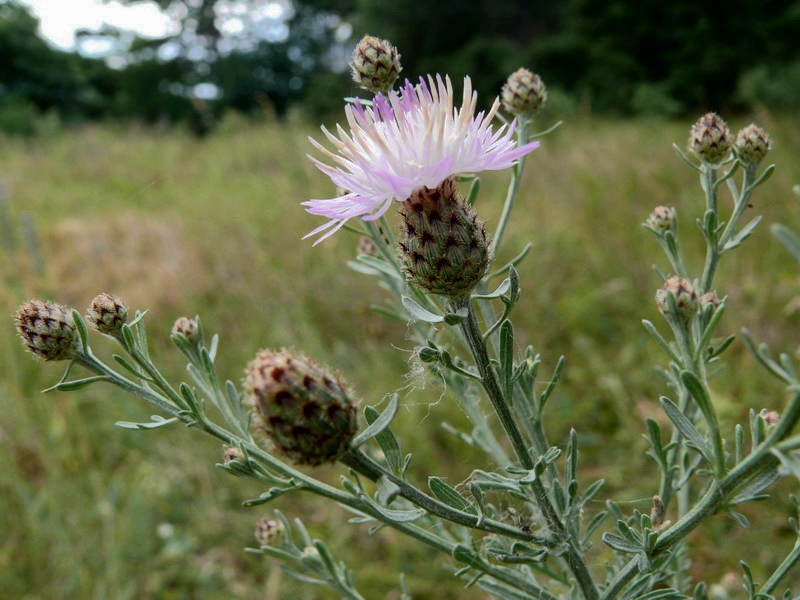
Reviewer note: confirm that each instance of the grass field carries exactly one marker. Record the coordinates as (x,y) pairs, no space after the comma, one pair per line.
(182,226)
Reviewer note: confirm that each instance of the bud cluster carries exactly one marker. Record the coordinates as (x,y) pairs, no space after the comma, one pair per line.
(444,249)
(305,411)
(524,94)
(47,330)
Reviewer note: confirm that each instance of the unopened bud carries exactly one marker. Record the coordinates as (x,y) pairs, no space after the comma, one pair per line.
(366,247)
(770,417)
(428,354)
(752,144)
(524,94)
(48,330)
(187,328)
(710,139)
(269,531)
(662,219)
(375,64)
(107,314)
(305,410)
(709,299)
(443,246)
(684,295)
(232,453)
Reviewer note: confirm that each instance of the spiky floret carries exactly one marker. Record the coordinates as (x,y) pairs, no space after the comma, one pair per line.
(407,141)
(47,329)
(306,411)
(443,245)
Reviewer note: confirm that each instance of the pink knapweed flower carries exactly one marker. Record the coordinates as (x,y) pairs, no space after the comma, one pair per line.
(406,141)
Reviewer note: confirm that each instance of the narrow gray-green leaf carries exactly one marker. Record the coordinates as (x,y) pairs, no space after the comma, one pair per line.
(450,495)
(379,424)
(686,428)
(419,313)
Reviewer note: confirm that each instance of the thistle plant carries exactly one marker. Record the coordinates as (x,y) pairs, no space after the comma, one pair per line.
(414,150)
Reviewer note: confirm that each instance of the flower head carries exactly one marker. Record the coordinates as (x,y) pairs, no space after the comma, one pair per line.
(305,410)
(107,314)
(752,144)
(524,93)
(48,330)
(406,141)
(710,139)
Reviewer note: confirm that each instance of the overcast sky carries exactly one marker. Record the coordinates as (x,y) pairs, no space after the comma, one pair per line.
(60,18)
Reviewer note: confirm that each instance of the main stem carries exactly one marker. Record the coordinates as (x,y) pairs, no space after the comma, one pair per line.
(574,558)
(474,338)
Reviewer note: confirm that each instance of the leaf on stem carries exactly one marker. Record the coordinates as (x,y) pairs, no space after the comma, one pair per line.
(686,428)
(156,422)
(378,424)
(419,313)
(75,384)
(450,495)
(387,441)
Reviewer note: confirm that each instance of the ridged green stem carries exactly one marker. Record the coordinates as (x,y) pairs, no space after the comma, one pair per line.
(477,345)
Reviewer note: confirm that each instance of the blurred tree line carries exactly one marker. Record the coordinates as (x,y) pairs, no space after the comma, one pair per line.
(609,56)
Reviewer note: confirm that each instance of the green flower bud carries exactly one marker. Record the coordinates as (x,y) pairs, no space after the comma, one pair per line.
(710,139)
(684,294)
(662,219)
(752,144)
(47,330)
(269,531)
(107,314)
(524,94)
(443,246)
(375,64)
(304,410)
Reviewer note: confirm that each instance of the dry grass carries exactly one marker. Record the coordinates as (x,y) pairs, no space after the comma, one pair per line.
(181,226)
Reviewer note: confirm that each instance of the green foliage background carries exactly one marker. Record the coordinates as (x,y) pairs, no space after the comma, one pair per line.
(180,226)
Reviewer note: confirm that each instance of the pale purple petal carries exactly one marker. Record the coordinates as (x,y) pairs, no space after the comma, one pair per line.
(405,141)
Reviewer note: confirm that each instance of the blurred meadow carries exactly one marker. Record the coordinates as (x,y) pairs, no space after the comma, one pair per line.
(212,227)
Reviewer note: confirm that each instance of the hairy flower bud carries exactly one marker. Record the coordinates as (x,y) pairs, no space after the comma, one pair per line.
(524,94)
(709,299)
(710,139)
(269,530)
(187,328)
(662,219)
(107,314)
(47,330)
(366,247)
(752,144)
(375,64)
(684,294)
(443,246)
(306,411)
